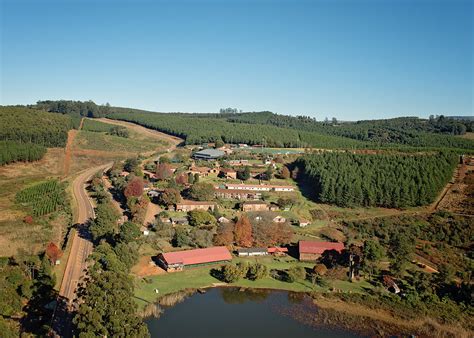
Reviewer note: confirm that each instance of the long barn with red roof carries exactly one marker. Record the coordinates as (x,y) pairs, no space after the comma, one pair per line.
(177,260)
(312,250)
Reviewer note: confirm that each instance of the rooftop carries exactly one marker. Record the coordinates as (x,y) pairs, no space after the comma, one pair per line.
(189,202)
(319,247)
(251,250)
(210,153)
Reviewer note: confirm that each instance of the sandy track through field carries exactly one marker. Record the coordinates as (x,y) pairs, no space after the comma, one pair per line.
(142,130)
(68,150)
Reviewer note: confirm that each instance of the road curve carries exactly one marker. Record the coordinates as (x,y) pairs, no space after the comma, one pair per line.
(81,244)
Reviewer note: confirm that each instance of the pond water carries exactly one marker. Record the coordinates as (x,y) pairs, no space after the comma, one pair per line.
(229,312)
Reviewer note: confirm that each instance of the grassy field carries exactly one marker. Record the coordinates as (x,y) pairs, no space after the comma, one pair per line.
(14,233)
(195,278)
(101,141)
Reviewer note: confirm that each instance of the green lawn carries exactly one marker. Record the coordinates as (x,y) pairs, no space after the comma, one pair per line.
(200,277)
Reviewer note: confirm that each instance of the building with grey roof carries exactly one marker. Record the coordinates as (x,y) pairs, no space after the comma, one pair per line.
(208,154)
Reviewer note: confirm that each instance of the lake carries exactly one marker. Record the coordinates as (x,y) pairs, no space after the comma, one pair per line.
(229,312)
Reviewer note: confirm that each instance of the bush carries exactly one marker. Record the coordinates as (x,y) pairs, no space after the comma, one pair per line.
(232,273)
(296,273)
(257,271)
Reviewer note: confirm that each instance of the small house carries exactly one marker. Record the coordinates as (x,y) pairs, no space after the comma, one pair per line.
(279,219)
(302,223)
(222,219)
(277,251)
(179,220)
(227,173)
(237,194)
(254,206)
(187,205)
(246,252)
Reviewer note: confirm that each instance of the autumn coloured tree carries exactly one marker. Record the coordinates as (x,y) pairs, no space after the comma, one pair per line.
(285,172)
(243,232)
(53,252)
(224,235)
(182,179)
(269,234)
(163,171)
(134,188)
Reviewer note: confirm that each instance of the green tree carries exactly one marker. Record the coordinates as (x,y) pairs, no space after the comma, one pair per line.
(373,251)
(219,143)
(245,174)
(202,191)
(107,308)
(128,232)
(169,196)
(269,173)
(296,273)
(233,272)
(105,223)
(257,271)
(200,217)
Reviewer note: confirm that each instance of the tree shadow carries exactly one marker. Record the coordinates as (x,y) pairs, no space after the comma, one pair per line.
(217,274)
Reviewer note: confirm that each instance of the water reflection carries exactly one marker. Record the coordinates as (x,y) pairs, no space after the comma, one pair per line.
(240,296)
(235,312)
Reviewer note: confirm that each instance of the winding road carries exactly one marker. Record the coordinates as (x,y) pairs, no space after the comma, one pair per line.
(81,244)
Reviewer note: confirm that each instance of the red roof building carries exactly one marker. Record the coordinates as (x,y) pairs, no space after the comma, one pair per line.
(277,251)
(312,250)
(176,261)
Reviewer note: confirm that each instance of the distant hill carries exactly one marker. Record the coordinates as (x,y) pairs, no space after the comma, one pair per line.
(276,130)
(462,118)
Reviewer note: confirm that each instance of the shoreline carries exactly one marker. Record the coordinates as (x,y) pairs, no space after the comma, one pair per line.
(316,309)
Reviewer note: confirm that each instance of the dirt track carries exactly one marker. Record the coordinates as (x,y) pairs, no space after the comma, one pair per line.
(142,130)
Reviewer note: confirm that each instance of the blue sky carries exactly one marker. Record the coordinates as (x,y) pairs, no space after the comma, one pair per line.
(348,59)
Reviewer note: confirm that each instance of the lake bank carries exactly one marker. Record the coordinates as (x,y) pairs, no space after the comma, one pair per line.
(315,313)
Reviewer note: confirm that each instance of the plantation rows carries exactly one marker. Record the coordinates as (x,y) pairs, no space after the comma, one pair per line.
(393,181)
(20,152)
(97,126)
(43,198)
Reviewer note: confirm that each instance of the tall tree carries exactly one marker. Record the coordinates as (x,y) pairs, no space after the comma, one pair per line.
(243,232)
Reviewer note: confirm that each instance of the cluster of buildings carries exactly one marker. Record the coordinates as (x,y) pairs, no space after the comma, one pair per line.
(178,260)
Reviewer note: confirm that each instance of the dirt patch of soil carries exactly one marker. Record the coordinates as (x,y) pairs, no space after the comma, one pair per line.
(457,193)
(151,210)
(146,267)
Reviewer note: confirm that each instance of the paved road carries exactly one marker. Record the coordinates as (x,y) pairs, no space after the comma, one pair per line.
(81,244)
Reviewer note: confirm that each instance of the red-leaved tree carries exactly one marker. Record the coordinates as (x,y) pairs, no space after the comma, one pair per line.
(243,232)
(163,171)
(53,252)
(224,235)
(182,179)
(134,188)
